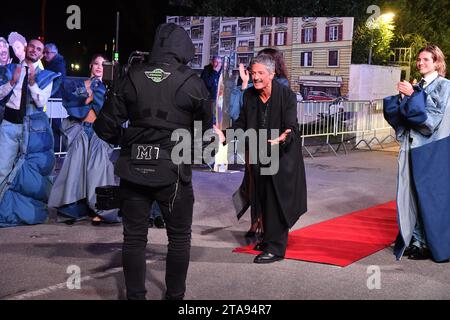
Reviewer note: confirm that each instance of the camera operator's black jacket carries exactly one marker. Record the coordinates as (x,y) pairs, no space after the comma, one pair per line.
(157,98)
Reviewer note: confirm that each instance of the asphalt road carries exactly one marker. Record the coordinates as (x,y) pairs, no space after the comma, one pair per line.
(36,262)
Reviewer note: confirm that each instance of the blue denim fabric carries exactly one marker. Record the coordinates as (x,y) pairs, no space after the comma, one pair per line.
(75,95)
(11,139)
(419,239)
(155,210)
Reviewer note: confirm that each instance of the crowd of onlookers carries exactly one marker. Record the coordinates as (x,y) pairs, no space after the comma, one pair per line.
(52,61)
(31,73)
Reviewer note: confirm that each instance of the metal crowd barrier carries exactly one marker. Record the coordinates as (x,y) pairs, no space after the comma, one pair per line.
(323,123)
(56,112)
(339,122)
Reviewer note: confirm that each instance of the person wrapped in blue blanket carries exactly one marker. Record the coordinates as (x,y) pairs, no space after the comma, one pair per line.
(421,117)
(26,139)
(87,165)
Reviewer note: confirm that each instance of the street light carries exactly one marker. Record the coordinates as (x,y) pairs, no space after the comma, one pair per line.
(387,17)
(75,67)
(372,24)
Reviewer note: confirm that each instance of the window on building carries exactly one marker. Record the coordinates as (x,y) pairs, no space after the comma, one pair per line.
(246,28)
(198,48)
(281,39)
(227,45)
(245,59)
(266,40)
(306,59)
(197,62)
(243,43)
(197,33)
(334,33)
(267,21)
(333,58)
(309,35)
(281,20)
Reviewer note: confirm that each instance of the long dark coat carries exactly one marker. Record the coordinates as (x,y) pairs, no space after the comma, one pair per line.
(290,181)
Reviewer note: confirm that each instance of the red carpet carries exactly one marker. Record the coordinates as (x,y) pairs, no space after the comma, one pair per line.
(345,240)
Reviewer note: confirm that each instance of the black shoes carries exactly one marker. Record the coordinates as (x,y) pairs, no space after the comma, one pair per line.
(250,234)
(259,247)
(70,222)
(158,222)
(265,258)
(416,253)
(409,250)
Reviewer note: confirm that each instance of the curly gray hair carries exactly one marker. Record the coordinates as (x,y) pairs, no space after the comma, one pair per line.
(266,60)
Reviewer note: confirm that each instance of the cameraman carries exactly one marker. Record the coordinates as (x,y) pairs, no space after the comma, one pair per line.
(157,98)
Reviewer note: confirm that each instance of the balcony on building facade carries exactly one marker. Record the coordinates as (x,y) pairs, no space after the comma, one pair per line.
(197,33)
(228,19)
(247,31)
(245,58)
(197,20)
(245,49)
(225,34)
(247,27)
(197,37)
(227,49)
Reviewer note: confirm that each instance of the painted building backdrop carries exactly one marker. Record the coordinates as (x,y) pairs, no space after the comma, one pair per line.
(317,51)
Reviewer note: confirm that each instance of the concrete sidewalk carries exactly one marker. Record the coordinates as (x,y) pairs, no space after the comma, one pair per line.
(34,261)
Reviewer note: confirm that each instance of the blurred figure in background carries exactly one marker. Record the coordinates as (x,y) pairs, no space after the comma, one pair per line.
(56,63)
(4,52)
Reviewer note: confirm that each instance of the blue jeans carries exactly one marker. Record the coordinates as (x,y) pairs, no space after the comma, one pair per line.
(155,211)
(11,140)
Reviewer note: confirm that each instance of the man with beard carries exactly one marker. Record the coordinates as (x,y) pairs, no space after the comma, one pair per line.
(26,139)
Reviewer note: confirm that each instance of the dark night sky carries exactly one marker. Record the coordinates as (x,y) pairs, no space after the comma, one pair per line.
(139,20)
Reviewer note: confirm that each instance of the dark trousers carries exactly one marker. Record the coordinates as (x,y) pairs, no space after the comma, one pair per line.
(177,206)
(276,229)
